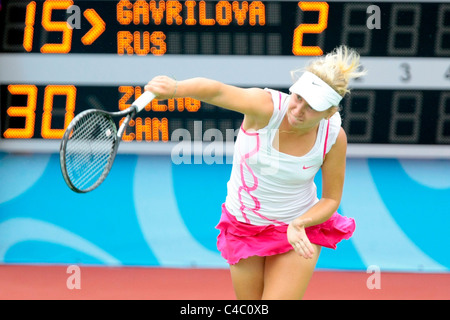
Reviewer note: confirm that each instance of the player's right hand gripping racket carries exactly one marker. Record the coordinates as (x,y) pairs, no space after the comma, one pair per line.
(90,144)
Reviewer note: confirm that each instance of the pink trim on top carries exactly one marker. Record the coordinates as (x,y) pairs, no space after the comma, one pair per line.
(255,179)
(326,140)
(248,189)
(248,133)
(279,102)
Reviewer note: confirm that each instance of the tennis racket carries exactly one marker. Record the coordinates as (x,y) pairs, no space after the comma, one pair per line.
(90,143)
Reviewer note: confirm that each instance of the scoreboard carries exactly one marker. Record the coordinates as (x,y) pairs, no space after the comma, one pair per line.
(60,57)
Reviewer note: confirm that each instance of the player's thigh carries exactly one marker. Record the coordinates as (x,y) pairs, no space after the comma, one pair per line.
(248,278)
(286,276)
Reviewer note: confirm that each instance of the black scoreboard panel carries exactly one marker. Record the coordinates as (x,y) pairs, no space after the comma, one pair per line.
(375,112)
(369,116)
(308,28)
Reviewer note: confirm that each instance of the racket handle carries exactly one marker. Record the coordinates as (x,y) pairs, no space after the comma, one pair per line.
(143,100)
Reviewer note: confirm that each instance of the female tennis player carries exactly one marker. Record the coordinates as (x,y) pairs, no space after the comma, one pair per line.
(273,224)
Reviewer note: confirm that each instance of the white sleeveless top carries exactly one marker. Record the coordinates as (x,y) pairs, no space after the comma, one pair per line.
(270,187)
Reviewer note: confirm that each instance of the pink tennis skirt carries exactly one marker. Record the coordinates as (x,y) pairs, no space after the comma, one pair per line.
(238,240)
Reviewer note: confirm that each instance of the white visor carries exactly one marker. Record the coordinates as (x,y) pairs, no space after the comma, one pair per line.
(319,95)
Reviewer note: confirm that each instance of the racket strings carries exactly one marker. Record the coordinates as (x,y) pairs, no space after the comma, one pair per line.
(89,150)
(92,151)
(91,156)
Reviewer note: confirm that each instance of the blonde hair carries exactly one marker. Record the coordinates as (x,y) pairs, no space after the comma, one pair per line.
(336,68)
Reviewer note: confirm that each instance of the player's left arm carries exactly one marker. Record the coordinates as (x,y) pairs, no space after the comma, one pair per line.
(333,174)
(333,171)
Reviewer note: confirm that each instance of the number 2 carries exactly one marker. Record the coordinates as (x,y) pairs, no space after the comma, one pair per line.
(297,45)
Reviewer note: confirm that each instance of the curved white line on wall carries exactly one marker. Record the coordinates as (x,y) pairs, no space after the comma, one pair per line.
(377,238)
(430,173)
(13,181)
(160,221)
(17,230)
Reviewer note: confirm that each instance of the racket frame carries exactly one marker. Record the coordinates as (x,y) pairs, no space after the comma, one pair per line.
(130,112)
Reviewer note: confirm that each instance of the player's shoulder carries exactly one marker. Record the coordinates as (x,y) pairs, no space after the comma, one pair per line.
(264,111)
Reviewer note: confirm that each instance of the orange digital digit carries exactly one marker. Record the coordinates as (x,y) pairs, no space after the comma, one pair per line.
(297,45)
(60,26)
(27,112)
(30,17)
(50,92)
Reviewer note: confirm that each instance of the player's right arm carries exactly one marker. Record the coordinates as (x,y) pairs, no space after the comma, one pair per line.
(255,103)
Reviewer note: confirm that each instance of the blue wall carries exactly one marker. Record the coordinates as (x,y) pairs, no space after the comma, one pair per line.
(152,212)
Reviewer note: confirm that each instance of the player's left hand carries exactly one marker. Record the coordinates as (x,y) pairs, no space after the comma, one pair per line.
(298,239)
